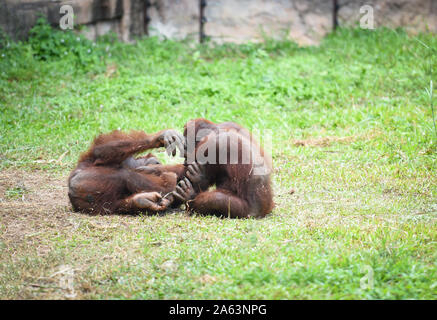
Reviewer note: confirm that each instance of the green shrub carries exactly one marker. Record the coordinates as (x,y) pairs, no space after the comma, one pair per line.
(48,44)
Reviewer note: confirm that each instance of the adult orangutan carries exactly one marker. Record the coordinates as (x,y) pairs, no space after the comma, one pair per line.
(226,155)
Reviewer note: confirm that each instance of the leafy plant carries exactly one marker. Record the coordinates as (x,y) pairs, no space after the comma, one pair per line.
(48,44)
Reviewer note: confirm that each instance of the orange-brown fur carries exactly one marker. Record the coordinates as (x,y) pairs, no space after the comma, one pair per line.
(239,192)
(108,179)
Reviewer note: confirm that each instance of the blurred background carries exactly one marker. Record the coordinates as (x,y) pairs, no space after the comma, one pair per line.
(304,21)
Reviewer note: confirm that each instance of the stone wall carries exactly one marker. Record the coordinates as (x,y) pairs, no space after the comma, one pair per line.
(175,19)
(124,17)
(305,21)
(413,15)
(239,21)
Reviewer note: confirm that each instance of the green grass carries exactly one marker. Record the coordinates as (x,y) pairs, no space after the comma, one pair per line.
(353,135)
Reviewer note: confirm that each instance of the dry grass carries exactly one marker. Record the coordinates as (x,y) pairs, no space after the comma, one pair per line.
(32,225)
(23,215)
(329,140)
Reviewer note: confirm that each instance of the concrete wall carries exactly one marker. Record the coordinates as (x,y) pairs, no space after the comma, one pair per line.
(175,19)
(239,21)
(305,21)
(125,17)
(413,15)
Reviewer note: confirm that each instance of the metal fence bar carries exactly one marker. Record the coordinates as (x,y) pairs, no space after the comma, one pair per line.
(146,18)
(335,8)
(202,20)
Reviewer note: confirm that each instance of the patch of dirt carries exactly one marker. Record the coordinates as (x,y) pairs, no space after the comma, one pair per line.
(34,206)
(36,218)
(41,202)
(208,279)
(321,142)
(327,141)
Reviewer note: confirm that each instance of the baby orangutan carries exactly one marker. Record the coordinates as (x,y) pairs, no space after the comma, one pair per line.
(108,179)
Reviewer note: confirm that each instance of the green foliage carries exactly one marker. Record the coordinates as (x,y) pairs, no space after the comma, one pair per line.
(48,44)
(269,47)
(4,39)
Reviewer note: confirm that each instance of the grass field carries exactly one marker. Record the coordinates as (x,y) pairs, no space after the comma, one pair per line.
(353,137)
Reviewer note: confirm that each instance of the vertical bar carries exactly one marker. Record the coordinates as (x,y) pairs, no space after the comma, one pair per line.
(335,14)
(146,18)
(202,20)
